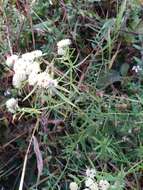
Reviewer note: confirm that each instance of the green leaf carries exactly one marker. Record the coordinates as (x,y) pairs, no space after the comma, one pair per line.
(108,78)
(64,98)
(139,28)
(124,69)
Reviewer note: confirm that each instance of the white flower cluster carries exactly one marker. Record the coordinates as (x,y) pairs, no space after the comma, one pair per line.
(12,105)
(62,45)
(44,80)
(91,183)
(27,68)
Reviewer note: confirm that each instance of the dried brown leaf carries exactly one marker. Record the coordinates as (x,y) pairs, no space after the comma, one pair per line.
(38,157)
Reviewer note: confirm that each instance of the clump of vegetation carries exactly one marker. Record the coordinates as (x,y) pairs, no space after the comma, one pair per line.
(71,95)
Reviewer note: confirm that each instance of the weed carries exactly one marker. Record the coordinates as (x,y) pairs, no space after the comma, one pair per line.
(82,108)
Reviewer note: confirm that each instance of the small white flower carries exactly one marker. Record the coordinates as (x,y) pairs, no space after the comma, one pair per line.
(94,186)
(51,3)
(27,56)
(130,131)
(20,65)
(91,173)
(32,68)
(36,53)
(28,68)
(18,78)
(73,186)
(86,189)
(91,184)
(104,185)
(61,51)
(32,55)
(64,43)
(52,83)
(32,79)
(7,92)
(12,105)
(136,68)
(125,139)
(44,80)
(36,67)
(11,60)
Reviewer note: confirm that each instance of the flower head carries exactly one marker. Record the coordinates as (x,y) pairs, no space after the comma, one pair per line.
(32,79)
(11,60)
(90,173)
(73,186)
(62,45)
(44,80)
(32,55)
(12,105)
(61,51)
(27,68)
(94,186)
(36,53)
(18,78)
(34,67)
(91,184)
(24,66)
(104,185)
(20,65)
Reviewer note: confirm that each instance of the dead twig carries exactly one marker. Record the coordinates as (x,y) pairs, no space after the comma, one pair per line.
(26,156)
